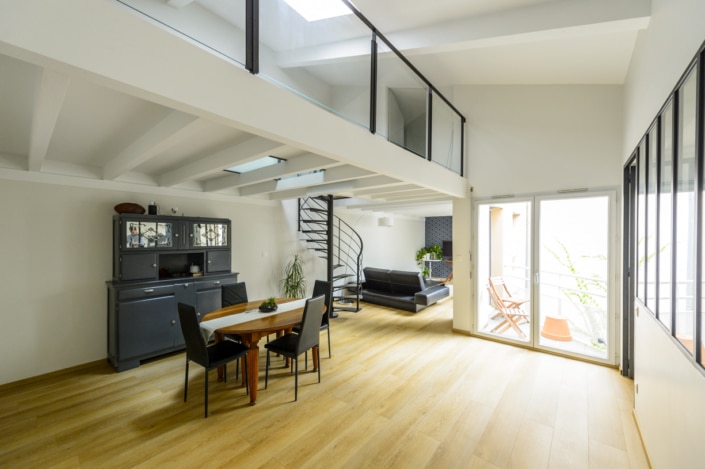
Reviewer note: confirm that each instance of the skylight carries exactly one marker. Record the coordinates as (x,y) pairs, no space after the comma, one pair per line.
(256,164)
(314,10)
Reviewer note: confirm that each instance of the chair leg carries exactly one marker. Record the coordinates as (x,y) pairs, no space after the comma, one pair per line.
(319,363)
(247,381)
(266,371)
(329,352)
(296,380)
(186,381)
(206,386)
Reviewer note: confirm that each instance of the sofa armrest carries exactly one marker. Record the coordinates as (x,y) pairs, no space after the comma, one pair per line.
(431,295)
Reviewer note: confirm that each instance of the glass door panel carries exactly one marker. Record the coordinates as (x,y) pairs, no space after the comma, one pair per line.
(573,288)
(504,261)
(548,259)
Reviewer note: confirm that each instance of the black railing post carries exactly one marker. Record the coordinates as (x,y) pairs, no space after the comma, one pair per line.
(429,125)
(252,36)
(373,83)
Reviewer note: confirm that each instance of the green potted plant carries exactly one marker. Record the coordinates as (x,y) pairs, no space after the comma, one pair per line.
(435,251)
(268,305)
(293,284)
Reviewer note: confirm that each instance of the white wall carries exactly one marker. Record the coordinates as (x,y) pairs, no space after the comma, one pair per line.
(669,405)
(537,139)
(662,53)
(391,247)
(670,401)
(56,257)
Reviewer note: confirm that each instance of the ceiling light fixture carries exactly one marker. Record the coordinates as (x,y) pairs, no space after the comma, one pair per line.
(314,10)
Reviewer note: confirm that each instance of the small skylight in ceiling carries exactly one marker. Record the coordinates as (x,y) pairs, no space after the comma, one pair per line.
(255,164)
(314,10)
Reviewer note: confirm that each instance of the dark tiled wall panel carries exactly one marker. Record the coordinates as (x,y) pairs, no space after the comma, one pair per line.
(439,229)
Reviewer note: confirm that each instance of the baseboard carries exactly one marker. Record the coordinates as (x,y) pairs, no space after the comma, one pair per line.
(641,438)
(33,379)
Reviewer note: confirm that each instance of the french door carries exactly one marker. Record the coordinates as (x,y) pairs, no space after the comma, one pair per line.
(545,276)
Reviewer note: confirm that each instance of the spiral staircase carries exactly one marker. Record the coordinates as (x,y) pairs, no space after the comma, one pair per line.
(338,244)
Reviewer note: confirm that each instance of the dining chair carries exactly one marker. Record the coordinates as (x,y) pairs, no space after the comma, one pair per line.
(209,357)
(321,287)
(292,345)
(234,294)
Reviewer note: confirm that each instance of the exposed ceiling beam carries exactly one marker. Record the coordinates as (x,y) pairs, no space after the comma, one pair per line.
(243,152)
(49,98)
(381,191)
(169,131)
(377,207)
(404,194)
(334,188)
(336,174)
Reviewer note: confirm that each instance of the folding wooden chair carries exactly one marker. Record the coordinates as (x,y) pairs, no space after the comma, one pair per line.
(511,313)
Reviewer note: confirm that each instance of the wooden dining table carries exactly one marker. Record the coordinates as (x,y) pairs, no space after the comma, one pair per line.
(251,331)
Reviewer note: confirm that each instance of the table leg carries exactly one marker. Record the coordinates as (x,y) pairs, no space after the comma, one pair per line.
(253,371)
(314,355)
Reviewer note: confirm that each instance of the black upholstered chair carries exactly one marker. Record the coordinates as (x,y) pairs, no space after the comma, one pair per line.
(234,294)
(292,345)
(208,357)
(321,287)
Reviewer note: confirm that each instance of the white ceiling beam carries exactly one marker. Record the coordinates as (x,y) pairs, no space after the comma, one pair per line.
(333,187)
(168,132)
(48,101)
(421,194)
(243,152)
(333,175)
(377,207)
(299,164)
(540,21)
(381,191)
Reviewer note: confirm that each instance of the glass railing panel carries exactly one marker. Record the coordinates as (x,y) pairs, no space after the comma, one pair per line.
(326,61)
(218,25)
(402,102)
(446,135)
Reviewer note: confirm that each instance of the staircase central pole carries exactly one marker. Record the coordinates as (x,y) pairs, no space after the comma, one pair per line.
(330,244)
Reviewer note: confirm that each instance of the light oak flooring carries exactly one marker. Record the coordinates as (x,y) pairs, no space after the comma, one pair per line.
(401,391)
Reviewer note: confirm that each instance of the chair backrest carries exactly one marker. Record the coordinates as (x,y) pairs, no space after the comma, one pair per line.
(195,344)
(311,323)
(234,294)
(500,287)
(495,296)
(322,287)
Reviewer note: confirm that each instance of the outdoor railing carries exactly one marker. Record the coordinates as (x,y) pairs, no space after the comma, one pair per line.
(344,65)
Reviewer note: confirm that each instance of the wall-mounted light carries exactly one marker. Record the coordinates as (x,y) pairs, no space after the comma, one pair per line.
(385,221)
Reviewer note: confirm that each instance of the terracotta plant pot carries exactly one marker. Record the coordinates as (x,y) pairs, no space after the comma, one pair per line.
(556,329)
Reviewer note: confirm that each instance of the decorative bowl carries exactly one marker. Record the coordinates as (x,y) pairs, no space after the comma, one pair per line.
(127,207)
(267,308)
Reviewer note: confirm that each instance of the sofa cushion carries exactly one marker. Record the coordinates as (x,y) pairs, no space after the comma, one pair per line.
(405,283)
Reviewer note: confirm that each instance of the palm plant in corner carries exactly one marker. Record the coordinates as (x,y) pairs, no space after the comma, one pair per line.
(293,284)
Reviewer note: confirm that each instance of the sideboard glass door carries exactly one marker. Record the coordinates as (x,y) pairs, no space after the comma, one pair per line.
(148,234)
(210,235)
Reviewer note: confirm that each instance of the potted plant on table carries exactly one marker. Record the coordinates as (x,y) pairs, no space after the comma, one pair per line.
(268,305)
(433,252)
(293,284)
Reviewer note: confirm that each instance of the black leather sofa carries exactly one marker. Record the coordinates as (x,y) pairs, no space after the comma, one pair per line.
(400,289)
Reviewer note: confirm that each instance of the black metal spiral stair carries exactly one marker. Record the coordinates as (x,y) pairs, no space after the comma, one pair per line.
(339,244)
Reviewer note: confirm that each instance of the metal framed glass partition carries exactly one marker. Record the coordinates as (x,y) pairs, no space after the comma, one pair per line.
(342,64)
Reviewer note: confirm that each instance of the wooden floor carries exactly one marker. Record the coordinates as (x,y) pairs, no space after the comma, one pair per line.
(401,391)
